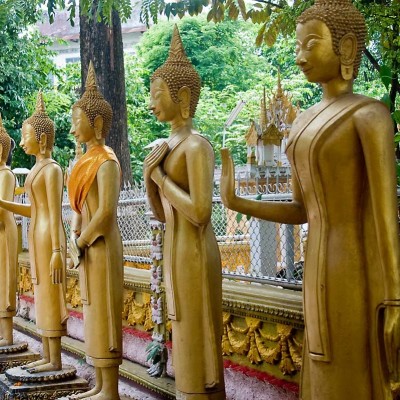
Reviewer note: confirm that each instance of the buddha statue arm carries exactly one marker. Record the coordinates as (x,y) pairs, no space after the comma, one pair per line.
(283,212)
(108,181)
(54,183)
(7,184)
(375,130)
(74,251)
(196,205)
(16,208)
(152,161)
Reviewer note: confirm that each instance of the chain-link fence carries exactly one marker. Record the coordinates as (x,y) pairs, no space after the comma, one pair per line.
(251,249)
(257,250)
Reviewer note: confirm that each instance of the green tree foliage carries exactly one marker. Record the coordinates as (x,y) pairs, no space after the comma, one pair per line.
(273,17)
(278,17)
(220,95)
(25,66)
(223,54)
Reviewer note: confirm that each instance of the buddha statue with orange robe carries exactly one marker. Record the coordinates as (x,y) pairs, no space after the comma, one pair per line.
(344,185)
(179,182)
(95,244)
(47,243)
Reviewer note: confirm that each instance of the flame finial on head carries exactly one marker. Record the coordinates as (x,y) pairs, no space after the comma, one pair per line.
(40,107)
(177,51)
(91,83)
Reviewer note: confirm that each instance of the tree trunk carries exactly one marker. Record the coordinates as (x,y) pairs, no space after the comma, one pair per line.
(103,45)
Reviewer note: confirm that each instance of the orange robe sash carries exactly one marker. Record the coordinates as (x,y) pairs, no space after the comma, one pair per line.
(84,173)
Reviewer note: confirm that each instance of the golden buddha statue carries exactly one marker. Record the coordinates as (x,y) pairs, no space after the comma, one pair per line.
(179,182)
(47,246)
(95,244)
(8,244)
(344,186)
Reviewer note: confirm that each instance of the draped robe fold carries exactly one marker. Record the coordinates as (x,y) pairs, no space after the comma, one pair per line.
(343,355)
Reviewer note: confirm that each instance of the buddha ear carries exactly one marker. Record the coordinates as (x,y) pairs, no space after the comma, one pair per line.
(98,127)
(43,143)
(184,101)
(348,53)
(1,152)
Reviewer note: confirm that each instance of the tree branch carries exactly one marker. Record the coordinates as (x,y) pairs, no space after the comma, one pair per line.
(270,3)
(372,60)
(376,65)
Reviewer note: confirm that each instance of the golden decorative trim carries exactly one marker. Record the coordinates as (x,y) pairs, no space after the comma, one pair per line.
(135,313)
(73,294)
(250,341)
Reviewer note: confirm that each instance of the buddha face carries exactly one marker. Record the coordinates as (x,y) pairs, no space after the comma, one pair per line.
(314,52)
(28,140)
(81,128)
(161,103)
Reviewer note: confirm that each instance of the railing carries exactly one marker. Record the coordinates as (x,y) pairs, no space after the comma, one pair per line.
(251,249)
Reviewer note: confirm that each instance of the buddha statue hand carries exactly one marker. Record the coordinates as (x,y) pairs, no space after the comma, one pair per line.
(392,338)
(74,252)
(153,160)
(227,185)
(56,266)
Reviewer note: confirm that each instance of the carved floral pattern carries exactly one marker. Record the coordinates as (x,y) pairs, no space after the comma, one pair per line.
(251,342)
(25,280)
(73,294)
(136,313)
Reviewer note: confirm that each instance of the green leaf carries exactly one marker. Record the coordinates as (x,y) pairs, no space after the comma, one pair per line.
(260,35)
(386,75)
(239,217)
(386,100)
(396,116)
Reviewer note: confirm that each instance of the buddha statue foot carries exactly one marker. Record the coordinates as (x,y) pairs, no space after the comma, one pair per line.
(94,394)
(18,374)
(44,368)
(85,395)
(103,396)
(35,364)
(13,347)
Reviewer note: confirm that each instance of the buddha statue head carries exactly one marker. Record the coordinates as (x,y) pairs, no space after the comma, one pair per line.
(5,142)
(180,78)
(347,30)
(41,126)
(94,108)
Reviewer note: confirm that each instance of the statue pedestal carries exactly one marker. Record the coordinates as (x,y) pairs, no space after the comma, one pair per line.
(16,355)
(19,384)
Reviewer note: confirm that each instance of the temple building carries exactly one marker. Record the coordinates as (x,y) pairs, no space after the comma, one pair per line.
(267,136)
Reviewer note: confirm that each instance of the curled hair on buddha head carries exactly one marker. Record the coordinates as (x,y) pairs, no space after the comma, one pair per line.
(93,104)
(5,141)
(178,72)
(41,122)
(341,18)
